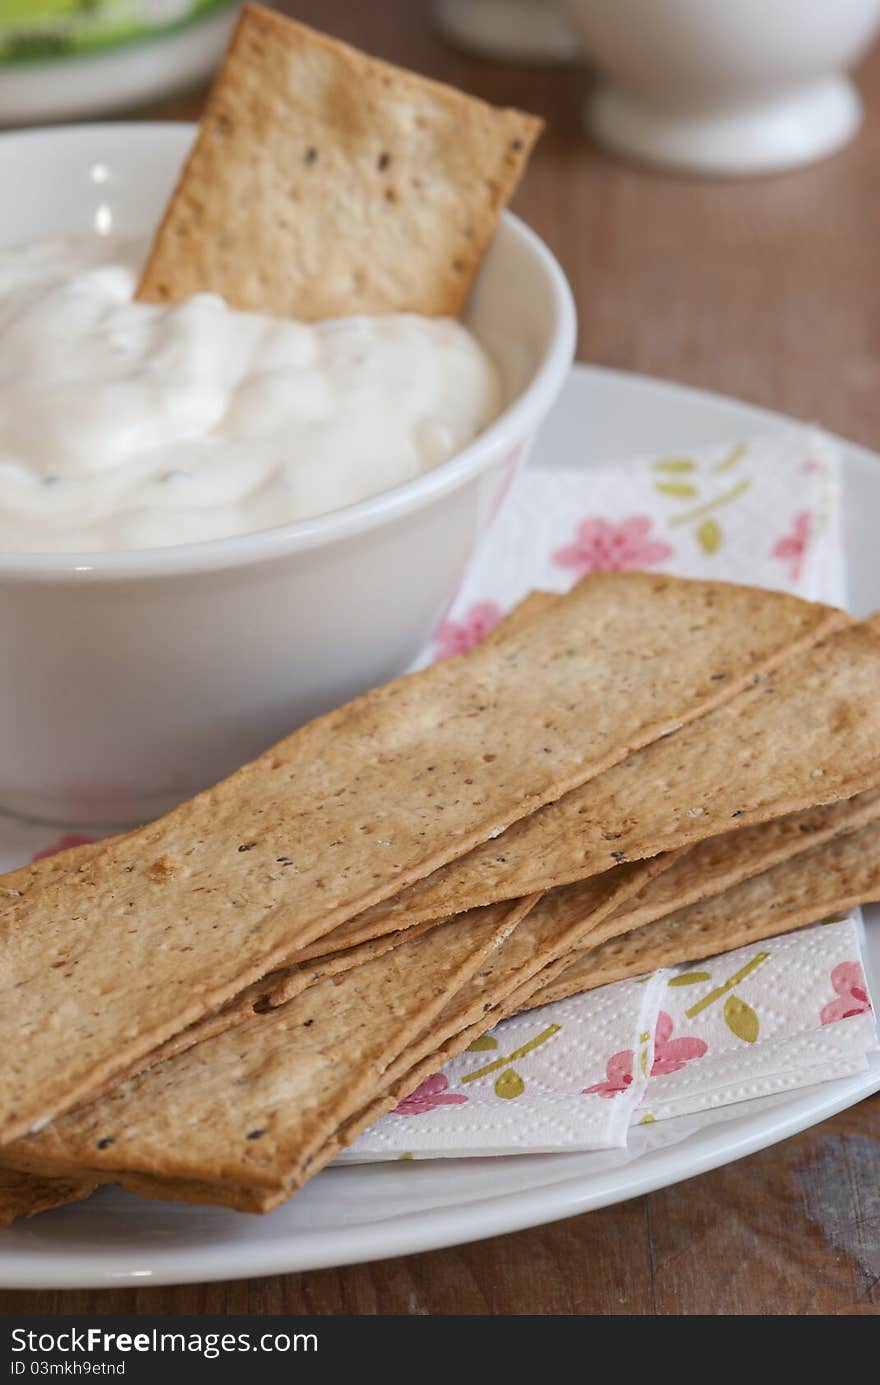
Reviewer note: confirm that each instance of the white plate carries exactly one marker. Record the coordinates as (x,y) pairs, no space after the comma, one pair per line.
(367,1212)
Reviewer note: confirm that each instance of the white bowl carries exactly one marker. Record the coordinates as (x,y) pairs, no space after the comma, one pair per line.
(721,87)
(130,680)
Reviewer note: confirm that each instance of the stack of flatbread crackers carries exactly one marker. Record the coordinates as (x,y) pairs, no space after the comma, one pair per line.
(324,182)
(646,771)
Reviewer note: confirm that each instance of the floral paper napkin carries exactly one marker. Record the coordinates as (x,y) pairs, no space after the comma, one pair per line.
(764,512)
(578,1073)
(536,1082)
(763,1019)
(581,1072)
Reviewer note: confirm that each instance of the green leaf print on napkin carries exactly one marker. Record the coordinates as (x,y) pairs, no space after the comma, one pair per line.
(758,960)
(675,466)
(741,1019)
(707,531)
(679,490)
(509,1085)
(718,503)
(690,978)
(709,536)
(731,460)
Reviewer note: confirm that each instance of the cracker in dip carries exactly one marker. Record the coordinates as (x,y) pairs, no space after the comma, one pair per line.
(324,182)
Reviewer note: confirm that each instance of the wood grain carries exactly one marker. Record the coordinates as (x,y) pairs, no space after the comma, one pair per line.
(762,288)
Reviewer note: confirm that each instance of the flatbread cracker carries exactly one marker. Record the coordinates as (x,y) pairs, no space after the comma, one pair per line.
(807,889)
(15,884)
(255,1103)
(549,929)
(167,924)
(325,183)
(25,1194)
(805,735)
(264,994)
(509,975)
(718,864)
(295,978)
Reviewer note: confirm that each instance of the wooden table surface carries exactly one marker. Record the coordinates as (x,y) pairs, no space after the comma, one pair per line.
(763,288)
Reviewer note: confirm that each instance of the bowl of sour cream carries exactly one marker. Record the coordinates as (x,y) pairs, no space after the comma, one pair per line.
(213,524)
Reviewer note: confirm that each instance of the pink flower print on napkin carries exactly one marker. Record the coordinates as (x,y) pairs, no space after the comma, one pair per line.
(671,1054)
(848,980)
(601,546)
(62,844)
(618,1076)
(458,636)
(431,1093)
(792,547)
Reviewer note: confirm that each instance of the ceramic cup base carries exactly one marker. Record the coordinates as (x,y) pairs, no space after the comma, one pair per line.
(808,123)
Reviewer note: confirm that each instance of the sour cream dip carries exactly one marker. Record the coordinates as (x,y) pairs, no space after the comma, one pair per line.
(129,425)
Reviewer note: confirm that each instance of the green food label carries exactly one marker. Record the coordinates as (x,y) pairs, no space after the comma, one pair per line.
(35,30)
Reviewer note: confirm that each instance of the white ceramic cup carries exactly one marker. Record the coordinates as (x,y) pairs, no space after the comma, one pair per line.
(724,86)
(528,31)
(131,680)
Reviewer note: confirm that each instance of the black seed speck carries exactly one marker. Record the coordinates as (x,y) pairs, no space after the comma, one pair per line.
(516,145)
(738,813)
(247,846)
(106,1142)
(255,1134)
(618,855)
(311,155)
(306,1023)
(611,836)
(284,860)
(383,160)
